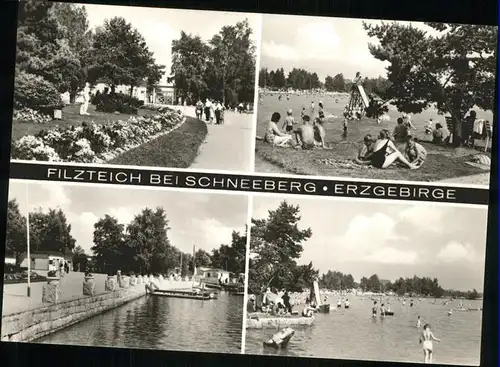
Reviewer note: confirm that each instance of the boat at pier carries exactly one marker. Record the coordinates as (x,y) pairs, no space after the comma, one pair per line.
(189,294)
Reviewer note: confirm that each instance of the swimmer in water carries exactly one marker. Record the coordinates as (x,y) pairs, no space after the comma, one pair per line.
(426,339)
(418,322)
(450,312)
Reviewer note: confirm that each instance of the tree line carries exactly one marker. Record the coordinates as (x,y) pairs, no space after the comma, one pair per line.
(301,79)
(276,243)
(222,68)
(57,49)
(142,246)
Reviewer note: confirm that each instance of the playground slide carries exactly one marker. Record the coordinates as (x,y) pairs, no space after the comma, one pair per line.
(364,97)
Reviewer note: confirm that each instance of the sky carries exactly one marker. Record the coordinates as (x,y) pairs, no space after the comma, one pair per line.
(326,46)
(160,26)
(391,240)
(200,219)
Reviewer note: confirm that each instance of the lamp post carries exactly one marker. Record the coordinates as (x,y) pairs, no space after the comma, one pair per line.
(28,240)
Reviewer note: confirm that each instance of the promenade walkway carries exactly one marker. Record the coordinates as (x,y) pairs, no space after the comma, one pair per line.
(15,297)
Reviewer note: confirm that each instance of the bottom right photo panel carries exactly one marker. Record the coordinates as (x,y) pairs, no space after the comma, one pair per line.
(380,281)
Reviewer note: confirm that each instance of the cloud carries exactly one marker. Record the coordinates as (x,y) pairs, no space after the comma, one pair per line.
(55,197)
(390,255)
(366,236)
(122,214)
(455,251)
(316,40)
(424,217)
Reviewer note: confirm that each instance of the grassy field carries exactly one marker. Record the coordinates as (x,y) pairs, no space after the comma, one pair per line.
(71,117)
(442,162)
(177,149)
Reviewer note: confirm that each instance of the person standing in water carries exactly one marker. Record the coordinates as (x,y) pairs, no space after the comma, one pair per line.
(426,339)
(418,322)
(374,309)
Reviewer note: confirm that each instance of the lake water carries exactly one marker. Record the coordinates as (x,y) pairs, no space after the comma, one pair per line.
(162,323)
(353,334)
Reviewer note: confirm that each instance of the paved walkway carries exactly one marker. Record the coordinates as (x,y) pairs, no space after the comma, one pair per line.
(228,146)
(15,297)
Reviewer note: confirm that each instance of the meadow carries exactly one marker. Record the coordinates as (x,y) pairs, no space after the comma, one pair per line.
(443,162)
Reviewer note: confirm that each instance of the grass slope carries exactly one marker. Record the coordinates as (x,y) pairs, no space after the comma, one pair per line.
(177,149)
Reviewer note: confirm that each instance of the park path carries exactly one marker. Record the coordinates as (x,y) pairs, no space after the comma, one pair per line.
(228,146)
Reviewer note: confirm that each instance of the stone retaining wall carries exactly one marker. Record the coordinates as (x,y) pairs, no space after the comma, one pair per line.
(33,324)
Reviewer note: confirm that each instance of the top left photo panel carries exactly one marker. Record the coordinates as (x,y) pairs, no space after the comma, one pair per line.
(134,86)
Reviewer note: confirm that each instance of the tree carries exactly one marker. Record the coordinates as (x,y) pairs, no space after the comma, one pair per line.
(51,232)
(339,84)
(15,231)
(454,70)
(120,56)
(232,63)
(329,86)
(53,43)
(189,65)
(80,259)
(231,257)
(147,238)
(109,245)
(202,258)
(275,244)
(73,56)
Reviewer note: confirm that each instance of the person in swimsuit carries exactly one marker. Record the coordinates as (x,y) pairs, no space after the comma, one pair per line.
(319,132)
(426,339)
(385,153)
(274,135)
(308,311)
(289,122)
(304,135)
(374,309)
(400,131)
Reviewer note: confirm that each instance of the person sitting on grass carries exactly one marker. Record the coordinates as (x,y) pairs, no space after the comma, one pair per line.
(438,134)
(414,151)
(400,131)
(365,151)
(304,135)
(274,135)
(319,132)
(385,153)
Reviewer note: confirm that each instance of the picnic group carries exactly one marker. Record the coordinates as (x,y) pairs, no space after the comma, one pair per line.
(382,151)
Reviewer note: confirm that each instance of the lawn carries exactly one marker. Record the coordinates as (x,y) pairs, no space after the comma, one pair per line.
(179,148)
(71,117)
(442,162)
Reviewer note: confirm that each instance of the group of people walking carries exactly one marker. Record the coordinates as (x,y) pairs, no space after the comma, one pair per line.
(210,110)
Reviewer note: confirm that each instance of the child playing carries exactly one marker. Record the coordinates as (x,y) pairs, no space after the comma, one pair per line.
(426,339)
(418,322)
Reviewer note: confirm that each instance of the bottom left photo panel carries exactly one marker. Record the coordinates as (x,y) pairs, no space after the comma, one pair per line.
(110,266)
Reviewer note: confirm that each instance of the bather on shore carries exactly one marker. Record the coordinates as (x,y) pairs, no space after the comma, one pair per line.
(385,153)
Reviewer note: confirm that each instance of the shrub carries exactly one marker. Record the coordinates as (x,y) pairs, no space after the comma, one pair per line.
(116,102)
(33,91)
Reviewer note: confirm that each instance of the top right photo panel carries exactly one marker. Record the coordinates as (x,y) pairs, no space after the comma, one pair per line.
(374,99)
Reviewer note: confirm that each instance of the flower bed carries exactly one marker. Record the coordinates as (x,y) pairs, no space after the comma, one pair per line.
(28,114)
(94,143)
